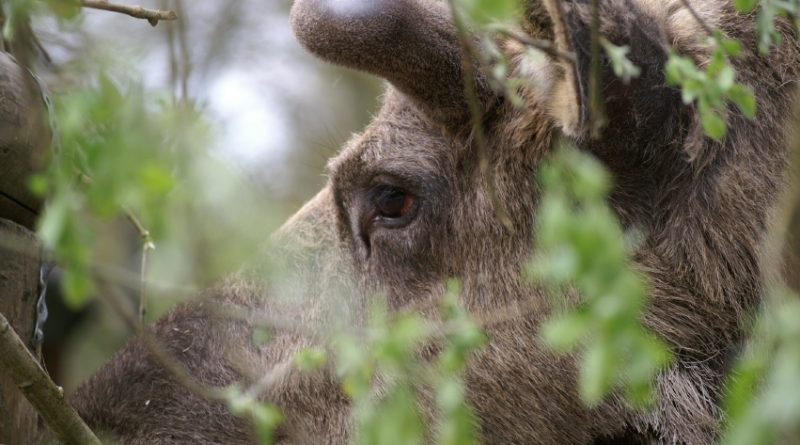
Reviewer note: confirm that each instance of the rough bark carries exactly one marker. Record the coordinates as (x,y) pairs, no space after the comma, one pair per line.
(25,139)
(19,282)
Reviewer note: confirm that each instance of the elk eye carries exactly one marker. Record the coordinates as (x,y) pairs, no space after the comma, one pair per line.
(392,202)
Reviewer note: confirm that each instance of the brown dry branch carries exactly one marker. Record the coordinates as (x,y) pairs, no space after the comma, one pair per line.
(153,16)
(48,398)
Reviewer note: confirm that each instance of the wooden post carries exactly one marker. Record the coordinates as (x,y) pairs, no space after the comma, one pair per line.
(25,139)
(19,284)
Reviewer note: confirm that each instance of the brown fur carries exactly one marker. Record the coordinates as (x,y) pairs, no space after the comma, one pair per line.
(702,205)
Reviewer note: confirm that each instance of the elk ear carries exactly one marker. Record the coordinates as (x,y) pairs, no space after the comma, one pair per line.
(412,44)
(638,25)
(568,98)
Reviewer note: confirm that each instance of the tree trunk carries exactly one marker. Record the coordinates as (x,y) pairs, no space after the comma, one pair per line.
(19,285)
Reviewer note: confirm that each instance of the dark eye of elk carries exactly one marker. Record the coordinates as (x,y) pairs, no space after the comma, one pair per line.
(392,204)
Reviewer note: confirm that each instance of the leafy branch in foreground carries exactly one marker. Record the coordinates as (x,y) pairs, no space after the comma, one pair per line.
(770,11)
(761,402)
(382,371)
(711,88)
(594,260)
(391,359)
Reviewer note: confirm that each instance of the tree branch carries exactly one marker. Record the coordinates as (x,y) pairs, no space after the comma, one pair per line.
(544,46)
(597,117)
(697,17)
(48,399)
(153,16)
(115,298)
(479,138)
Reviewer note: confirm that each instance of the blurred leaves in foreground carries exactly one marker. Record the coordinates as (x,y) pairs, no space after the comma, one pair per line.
(762,402)
(127,153)
(594,260)
(384,371)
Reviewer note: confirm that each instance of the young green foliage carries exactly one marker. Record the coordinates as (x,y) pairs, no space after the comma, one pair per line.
(761,403)
(266,418)
(482,12)
(102,169)
(618,56)
(769,11)
(713,87)
(20,11)
(594,260)
(383,372)
(124,153)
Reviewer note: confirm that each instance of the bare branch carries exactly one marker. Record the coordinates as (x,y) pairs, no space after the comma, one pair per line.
(153,16)
(544,46)
(183,48)
(48,399)
(479,139)
(115,297)
(146,247)
(597,117)
(697,17)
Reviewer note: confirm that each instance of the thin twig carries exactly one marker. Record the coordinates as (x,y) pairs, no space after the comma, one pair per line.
(479,140)
(27,374)
(545,46)
(141,230)
(147,245)
(153,16)
(183,47)
(267,381)
(143,283)
(172,56)
(697,17)
(597,118)
(115,297)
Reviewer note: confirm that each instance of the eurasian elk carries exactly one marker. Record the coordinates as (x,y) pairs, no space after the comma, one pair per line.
(407,208)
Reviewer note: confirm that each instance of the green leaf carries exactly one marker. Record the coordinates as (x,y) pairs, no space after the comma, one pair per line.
(482,12)
(744,98)
(622,66)
(394,421)
(596,376)
(78,286)
(713,125)
(726,78)
(564,333)
(266,418)
(65,9)
(53,221)
(38,184)
(310,359)
(261,336)
(744,6)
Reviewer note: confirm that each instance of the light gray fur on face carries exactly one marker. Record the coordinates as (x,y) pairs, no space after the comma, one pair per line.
(701,205)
